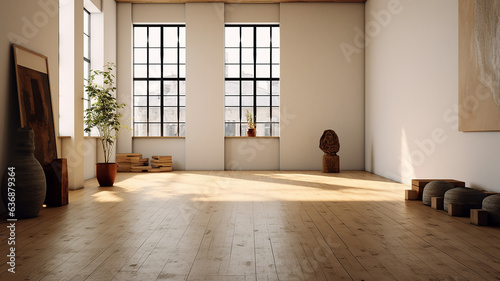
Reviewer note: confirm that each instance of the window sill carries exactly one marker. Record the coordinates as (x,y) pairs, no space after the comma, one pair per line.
(245,137)
(158,137)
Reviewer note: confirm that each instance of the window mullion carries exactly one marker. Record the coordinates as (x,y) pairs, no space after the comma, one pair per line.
(147,75)
(255,75)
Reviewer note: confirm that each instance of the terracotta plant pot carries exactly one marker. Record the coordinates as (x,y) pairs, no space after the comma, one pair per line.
(106,173)
(251,132)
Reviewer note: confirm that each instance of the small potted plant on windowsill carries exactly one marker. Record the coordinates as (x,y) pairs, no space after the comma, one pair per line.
(103,115)
(251,131)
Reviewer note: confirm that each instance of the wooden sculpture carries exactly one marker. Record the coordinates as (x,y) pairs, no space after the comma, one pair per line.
(330,145)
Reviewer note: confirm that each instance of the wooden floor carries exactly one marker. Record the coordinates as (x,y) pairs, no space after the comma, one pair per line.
(249,226)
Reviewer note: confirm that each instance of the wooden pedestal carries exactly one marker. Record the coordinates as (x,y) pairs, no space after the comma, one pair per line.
(437,203)
(331,163)
(478,217)
(411,195)
(56,175)
(456,210)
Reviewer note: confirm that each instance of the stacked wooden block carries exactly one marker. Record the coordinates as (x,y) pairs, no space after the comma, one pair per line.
(161,164)
(132,162)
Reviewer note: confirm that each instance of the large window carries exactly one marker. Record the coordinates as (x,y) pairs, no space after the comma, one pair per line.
(86,58)
(252,82)
(159,80)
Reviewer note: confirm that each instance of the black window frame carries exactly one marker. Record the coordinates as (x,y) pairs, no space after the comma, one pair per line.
(255,79)
(180,96)
(87,60)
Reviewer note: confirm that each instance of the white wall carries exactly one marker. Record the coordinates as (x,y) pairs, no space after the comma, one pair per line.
(34,26)
(174,147)
(412,96)
(261,153)
(320,88)
(205,86)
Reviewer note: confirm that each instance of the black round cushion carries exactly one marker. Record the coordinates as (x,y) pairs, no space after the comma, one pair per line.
(470,198)
(491,204)
(435,189)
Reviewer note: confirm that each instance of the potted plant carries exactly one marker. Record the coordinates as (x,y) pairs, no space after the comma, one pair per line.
(251,131)
(103,115)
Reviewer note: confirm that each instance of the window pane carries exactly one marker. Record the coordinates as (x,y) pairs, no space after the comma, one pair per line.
(140,130)
(140,36)
(170,55)
(232,36)
(170,114)
(154,101)
(276,129)
(263,101)
(263,71)
(86,70)
(276,71)
(154,37)
(170,101)
(232,129)
(170,130)
(170,70)
(170,36)
(232,56)
(140,114)
(232,71)
(276,114)
(154,114)
(232,88)
(140,88)
(154,55)
(276,87)
(247,88)
(232,114)
(243,111)
(182,129)
(243,131)
(182,87)
(140,71)
(141,101)
(263,36)
(182,36)
(276,36)
(247,36)
(170,88)
(264,129)
(154,130)
(276,100)
(182,71)
(247,101)
(182,55)
(86,22)
(247,71)
(263,55)
(247,55)
(155,71)
(154,88)
(263,87)
(276,55)
(182,114)
(140,55)
(86,46)
(263,114)
(232,100)
(182,101)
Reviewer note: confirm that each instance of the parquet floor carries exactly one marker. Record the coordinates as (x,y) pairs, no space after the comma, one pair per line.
(249,225)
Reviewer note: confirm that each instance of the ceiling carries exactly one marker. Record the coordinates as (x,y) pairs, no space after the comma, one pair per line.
(237,1)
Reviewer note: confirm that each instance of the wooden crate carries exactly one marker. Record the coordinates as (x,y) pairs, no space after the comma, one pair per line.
(132,162)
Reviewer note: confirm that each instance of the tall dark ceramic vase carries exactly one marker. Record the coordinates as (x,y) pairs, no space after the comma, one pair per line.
(26,177)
